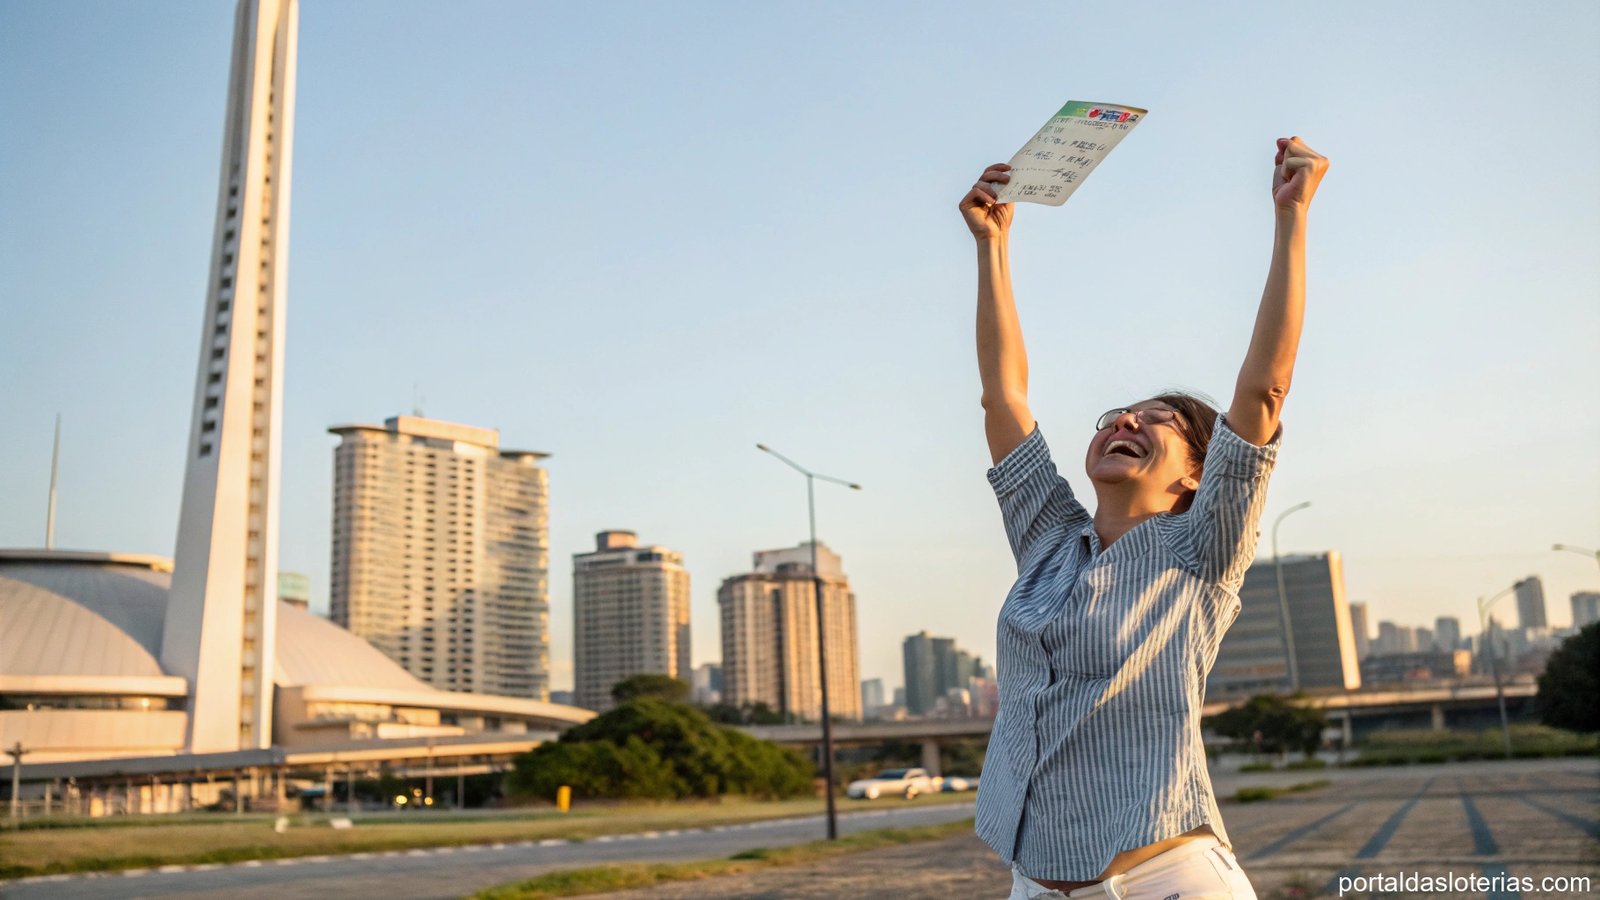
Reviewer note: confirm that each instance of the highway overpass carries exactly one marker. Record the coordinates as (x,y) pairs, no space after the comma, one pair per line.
(1355,713)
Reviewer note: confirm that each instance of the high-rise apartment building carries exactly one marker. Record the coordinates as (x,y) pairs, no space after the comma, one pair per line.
(221,621)
(630,616)
(871,696)
(1447,633)
(917,654)
(934,667)
(1362,631)
(1394,639)
(441,553)
(1530,603)
(1585,608)
(1254,653)
(769,635)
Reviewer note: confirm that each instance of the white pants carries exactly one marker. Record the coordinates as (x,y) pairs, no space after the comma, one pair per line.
(1197,869)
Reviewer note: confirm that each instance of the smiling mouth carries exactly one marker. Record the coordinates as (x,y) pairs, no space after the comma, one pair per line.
(1124,448)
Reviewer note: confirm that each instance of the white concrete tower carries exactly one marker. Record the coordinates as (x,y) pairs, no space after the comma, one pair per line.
(221,619)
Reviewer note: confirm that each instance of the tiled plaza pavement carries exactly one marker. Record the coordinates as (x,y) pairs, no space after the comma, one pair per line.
(1526,819)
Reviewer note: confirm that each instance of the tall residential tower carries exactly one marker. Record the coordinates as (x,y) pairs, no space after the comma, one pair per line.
(630,607)
(769,636)
(1530,603)
(441,553)
(222,617)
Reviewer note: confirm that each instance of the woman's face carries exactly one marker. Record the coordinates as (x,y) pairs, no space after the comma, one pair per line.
(1152,453)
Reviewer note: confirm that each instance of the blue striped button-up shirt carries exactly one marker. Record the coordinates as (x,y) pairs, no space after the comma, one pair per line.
(1103,655)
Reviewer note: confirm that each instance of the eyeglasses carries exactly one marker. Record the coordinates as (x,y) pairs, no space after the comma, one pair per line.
(1154,415)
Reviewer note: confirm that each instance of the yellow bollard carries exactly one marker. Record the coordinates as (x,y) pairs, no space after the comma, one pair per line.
(564,798)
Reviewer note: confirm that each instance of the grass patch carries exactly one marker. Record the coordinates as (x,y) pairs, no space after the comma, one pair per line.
(601,879)
(144,842)
(1409,747)
(1295,764)
(1312,763)
(1258,794)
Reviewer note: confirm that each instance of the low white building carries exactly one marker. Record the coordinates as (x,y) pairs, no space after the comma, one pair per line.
(81,675)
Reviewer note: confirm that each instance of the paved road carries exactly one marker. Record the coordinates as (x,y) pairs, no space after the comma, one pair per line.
(454,871)
(1527,819)
(1530,819)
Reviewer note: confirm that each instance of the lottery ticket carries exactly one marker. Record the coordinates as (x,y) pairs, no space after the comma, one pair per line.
(1066,150)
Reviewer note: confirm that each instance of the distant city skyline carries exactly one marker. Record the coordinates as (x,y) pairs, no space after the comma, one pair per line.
(652,329)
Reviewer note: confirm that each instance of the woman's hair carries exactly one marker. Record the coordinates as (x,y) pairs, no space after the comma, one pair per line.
(1199,419)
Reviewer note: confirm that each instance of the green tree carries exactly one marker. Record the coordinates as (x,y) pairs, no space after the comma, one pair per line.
(663,686)
(1272,724)
(759,713)
(649,748)
(1569,686)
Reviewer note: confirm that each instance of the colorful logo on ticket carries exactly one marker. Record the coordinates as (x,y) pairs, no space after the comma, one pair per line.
(1101,113)
(1110,115)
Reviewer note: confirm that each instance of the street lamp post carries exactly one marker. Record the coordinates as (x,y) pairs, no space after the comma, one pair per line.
(1283,599)
(16,753)
(822,636)
(1486,629)
(1592,554)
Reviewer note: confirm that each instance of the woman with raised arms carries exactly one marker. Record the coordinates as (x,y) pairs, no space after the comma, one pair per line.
(1095,781)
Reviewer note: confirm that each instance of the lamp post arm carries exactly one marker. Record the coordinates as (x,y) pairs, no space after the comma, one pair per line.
(786,460)
(1582,551)
(1483,605)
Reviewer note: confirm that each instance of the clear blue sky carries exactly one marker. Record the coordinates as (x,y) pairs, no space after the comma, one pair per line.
(643,237)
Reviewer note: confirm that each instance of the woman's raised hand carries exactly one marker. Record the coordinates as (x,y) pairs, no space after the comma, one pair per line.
(986,217)
(1296,172)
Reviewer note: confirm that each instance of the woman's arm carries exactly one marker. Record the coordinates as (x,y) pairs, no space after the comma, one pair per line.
(1269,365)
(1002,360)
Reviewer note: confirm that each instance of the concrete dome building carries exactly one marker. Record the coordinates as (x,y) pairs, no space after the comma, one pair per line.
(81,675)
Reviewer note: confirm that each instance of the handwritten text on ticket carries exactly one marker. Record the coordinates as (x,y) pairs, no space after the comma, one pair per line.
(1051,166)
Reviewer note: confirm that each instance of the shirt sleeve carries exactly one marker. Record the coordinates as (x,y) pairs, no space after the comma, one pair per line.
(1034,499)
(1224,519)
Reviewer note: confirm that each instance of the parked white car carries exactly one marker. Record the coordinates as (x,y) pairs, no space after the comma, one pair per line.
(906,783)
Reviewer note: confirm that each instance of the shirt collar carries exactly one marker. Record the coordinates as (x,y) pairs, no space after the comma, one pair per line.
(1090,538)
